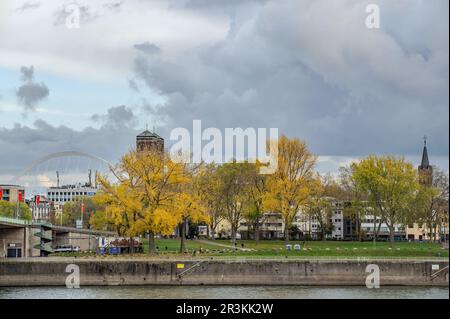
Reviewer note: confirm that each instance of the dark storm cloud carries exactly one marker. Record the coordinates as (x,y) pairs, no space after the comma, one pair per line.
(30,93)
(25,144)
(312,69)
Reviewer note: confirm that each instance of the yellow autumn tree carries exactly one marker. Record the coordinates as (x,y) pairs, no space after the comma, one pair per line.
(291,184)
(190,205)
(119,209)
(149,194)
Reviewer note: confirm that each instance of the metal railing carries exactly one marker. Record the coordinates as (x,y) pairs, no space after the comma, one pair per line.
(17,221)
(436,274)
(197,264)
(23,222)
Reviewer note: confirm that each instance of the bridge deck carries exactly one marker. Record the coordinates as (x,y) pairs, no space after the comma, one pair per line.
(18,222)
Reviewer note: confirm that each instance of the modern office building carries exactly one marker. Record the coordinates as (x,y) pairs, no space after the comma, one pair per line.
(68,193)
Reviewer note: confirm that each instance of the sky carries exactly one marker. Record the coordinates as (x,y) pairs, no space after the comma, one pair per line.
(310,68)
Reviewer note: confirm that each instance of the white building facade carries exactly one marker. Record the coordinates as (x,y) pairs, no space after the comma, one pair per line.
(64,194)
(41,211)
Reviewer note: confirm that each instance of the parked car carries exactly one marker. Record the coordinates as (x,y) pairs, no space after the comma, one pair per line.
(66,249)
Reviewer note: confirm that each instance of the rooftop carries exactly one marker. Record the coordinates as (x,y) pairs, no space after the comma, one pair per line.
(425,163)
(10,185)
(76,186)
(149,134)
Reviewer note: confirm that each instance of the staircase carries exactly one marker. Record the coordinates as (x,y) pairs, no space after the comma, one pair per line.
(45,235)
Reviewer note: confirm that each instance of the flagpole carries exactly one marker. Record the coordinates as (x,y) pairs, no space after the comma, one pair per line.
(82,213)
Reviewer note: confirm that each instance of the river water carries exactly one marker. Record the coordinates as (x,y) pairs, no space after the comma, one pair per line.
(223,292)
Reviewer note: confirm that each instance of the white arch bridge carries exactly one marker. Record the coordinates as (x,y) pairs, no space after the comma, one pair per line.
(62,162)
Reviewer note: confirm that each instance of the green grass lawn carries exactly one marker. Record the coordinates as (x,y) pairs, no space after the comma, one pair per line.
(173,245)
(346,249)
(276,248)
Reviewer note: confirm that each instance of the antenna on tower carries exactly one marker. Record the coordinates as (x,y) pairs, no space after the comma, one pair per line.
(90,177)
(425,140)
(57,179)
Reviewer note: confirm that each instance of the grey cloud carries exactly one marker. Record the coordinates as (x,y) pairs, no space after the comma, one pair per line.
(133,85)
(110,141)
(117,116)
(120,115)
(147,48)
(114,5)
(28,6)
(30,93)
(216,6)
(27,73)
(87,14)
(348,90)
(155,112)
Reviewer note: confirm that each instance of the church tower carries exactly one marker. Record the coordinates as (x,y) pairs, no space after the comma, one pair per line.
(149,141)
(425,169)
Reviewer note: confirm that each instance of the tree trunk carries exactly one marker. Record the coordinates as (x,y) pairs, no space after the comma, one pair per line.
(256,229)
(358,228)
(391,235)
(182,227)
(286,234)
(309,229)
(377,232)
(151,243)
(233,235)
(131,246)
(322,231)
(212,233)
(374,239)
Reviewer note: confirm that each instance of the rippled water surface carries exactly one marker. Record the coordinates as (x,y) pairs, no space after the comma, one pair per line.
(223,292)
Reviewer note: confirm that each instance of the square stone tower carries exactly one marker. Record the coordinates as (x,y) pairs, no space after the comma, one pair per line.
(149,141)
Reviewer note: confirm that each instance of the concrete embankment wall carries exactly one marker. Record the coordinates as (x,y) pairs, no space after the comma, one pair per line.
(122,272)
